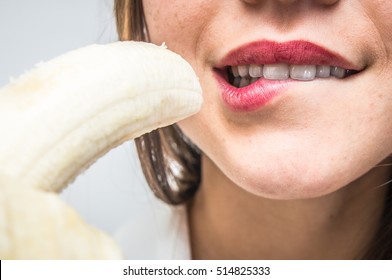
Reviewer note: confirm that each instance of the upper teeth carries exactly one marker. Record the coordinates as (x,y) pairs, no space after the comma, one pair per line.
(246,74)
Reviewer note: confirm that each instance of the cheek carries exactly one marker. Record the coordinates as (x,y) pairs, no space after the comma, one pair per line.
(180,26)
(379,13)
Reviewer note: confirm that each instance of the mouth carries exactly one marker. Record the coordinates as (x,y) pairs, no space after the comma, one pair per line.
(252,75)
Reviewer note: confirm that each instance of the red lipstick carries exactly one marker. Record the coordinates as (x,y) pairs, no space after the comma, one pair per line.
(258,94)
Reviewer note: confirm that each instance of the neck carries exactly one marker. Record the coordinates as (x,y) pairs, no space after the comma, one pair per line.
(227,222)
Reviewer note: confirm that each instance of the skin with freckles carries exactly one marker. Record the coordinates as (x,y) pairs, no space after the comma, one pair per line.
(302,165)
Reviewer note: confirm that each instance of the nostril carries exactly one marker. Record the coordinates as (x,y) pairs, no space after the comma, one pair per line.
(287,1)
(251,2)
(328,2)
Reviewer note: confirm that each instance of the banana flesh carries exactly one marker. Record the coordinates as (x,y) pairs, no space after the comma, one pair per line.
(39,225)
(59,118)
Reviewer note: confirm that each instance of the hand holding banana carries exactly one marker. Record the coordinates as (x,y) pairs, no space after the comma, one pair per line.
(58,119)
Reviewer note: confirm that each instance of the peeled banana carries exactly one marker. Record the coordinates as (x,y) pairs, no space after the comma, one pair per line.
(59,118)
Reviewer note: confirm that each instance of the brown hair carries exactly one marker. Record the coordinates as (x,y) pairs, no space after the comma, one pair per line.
(171,163)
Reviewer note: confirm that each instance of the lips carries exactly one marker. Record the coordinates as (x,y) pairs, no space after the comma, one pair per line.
(245,88)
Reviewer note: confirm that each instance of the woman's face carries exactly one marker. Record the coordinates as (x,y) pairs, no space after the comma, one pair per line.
(281,137)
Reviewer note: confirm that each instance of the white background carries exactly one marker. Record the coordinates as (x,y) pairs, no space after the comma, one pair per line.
(33,31)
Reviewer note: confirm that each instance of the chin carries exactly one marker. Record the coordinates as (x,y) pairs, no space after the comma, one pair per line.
(284,177)
(290,187)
